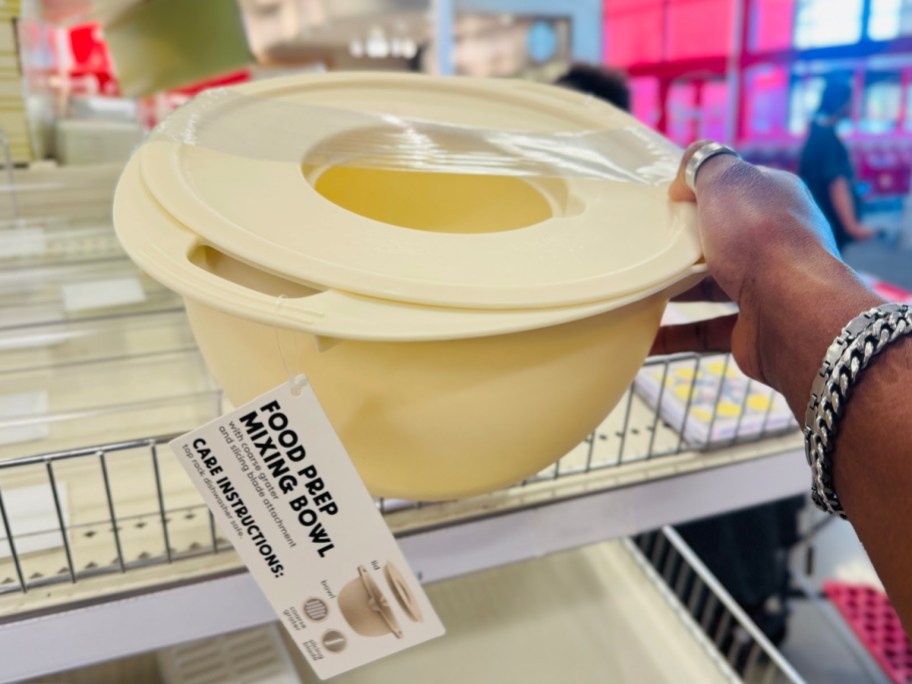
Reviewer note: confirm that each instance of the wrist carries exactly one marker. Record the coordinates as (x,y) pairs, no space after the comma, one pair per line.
(847,359)
(796,313)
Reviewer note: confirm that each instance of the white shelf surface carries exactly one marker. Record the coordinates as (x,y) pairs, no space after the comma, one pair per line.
(589,615)
(454,545)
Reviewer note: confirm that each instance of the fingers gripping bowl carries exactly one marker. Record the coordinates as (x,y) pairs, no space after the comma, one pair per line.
(458,340)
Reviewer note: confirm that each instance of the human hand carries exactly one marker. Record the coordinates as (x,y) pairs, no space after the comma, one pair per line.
(868,233)
(862,233)
(769,249)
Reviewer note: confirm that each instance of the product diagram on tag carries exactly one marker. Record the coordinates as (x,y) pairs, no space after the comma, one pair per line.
(366,608)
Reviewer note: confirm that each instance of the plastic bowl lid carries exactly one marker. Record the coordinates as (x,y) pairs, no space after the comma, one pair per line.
(588,241)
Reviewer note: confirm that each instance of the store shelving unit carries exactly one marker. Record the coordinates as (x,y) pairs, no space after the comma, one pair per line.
(122,538)
(106,548)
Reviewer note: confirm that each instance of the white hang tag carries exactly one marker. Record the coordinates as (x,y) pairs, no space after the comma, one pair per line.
(284,491)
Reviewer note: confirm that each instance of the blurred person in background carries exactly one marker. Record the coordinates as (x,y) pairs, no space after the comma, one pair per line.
(604,83)
(826,169)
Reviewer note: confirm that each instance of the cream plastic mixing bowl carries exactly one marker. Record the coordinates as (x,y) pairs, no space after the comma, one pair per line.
(440,384)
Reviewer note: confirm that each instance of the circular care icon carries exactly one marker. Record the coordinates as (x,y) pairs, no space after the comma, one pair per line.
(315,609)
(334,641)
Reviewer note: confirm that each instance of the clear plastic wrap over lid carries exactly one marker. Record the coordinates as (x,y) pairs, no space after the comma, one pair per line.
(457,192)
(265,128)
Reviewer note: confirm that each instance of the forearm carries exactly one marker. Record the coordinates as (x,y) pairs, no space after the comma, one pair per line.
(873,475)
(797,315)
(796,320)
(769,249)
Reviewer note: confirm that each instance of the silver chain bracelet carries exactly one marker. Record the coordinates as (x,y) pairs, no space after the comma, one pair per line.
(860,341)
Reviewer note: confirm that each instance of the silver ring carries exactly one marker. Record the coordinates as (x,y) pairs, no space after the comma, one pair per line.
(704,153)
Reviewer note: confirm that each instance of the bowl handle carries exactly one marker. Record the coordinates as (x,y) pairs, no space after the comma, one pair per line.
(334,316)
(170,258)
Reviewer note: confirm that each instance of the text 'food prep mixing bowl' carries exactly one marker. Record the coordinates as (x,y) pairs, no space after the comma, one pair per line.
(464,322)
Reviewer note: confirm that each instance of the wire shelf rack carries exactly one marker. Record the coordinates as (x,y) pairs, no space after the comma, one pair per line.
(72,515)
(726,633)
(109,508)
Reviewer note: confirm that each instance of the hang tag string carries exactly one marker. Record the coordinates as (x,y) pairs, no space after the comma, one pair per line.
(297,380)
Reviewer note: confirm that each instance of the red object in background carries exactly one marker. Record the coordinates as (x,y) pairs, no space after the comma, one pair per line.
(678,52)
(633,32)
(699,28)
(624,5)
(766,110)
(90,58)
(646,103)
(771,25)
(890,292)
(884,165)
(653,38)
(681,107)
(869,613)
(652,31)
(714,105)
(227,79)
(697,109)
(90,54)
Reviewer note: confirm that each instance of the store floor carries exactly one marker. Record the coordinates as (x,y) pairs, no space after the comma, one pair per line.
(825,652)
(820,644)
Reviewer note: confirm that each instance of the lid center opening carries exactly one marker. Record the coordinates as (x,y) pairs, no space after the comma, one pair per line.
(434,202)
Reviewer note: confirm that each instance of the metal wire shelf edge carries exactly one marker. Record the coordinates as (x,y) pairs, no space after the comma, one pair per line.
(107,410)
(87,320)
(114,569)
(715,587)
(189,349)
(680,611)
(651,361)
(450,522)
(96,449)
(478,508)
(32,270)
(489,513)
(108,447)
(121,595)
